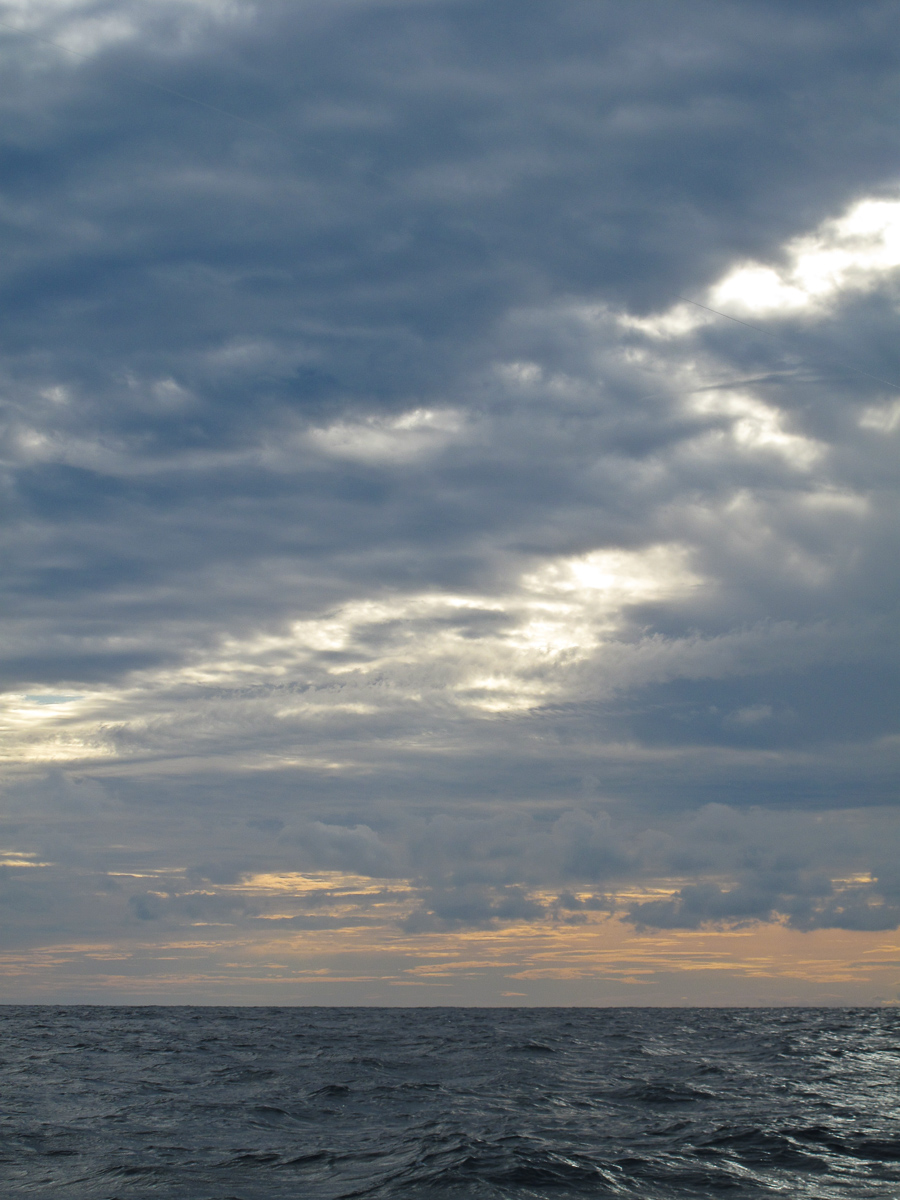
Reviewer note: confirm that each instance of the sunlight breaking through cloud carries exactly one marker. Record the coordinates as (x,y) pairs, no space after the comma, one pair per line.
(399,571)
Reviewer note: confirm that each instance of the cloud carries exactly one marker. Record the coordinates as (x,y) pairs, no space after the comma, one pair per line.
(380,510)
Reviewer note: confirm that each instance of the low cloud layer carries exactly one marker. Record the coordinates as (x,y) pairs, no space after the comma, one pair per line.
(398,537)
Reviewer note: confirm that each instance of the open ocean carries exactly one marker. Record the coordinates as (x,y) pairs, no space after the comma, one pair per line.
(321,1103)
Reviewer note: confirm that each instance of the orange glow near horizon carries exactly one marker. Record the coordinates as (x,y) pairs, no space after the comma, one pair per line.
(601,962)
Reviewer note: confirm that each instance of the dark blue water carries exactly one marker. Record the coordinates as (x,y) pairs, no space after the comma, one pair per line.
(263,1103)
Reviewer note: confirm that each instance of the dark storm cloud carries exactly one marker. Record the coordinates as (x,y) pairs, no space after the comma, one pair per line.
(306,414)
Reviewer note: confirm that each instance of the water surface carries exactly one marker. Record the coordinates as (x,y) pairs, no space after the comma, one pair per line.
(319,1103)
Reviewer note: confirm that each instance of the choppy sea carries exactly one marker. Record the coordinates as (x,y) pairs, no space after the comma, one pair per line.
(321,1103)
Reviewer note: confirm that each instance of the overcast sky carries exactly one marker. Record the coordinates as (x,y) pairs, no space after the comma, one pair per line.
(415,591)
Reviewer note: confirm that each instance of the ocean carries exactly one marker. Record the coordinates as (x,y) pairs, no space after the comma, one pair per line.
(320,1103)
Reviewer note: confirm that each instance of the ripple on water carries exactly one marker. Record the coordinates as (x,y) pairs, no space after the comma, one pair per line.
(270,1104)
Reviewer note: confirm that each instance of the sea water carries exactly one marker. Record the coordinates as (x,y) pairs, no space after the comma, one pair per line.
(319,1103)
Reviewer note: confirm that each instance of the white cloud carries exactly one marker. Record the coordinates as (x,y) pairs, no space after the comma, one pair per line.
(854,252)
(84,28)
(755,425)
(405,438)
(884,418)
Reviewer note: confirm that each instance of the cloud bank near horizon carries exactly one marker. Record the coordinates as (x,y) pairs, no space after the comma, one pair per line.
(394,549)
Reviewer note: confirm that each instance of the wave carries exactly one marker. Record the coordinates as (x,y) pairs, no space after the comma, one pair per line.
(455,1104)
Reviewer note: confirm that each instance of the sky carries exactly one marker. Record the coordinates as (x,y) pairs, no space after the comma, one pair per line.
(450,483)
